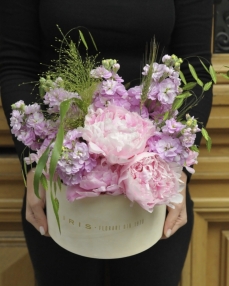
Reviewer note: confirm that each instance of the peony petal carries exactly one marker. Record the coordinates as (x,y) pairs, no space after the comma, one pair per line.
(93,148)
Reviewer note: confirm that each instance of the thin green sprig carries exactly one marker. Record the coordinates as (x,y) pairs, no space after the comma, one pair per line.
(188,86)
(146,82)
(74,70)
(194,100)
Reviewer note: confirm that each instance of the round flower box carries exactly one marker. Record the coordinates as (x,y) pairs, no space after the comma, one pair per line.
(104,227)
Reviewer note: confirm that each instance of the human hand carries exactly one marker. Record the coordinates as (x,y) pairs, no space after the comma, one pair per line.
(176,217)
(35,206)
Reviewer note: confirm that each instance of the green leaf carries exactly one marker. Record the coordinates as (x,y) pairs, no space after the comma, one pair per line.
(39,169)
(44,182)
(200,82)
(83,39)
(189,86)
(55,187)
(204,66)
(207,138)
(166,115)
(193,72)
(182,77)
(184,95)
(205,133)
(59,183)
(177,103)
(64,107)
(225,76)
(194,148)
(209,144)
(56,152)
(127,85)
(55,205)
(24,175)
(207,85)
(92,39)
(24,178)
(212,73)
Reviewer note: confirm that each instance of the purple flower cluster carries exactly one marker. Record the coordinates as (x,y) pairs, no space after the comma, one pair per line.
(75,159)
(30,126)
(173,141)
(165,86)
(54,97)
(111,89)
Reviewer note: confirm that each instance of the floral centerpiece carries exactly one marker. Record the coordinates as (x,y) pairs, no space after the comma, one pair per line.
(97,137)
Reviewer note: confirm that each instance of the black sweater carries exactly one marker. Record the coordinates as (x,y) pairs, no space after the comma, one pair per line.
(120,28)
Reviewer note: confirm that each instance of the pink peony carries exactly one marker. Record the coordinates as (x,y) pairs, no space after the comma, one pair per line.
(149,181)
(116,133)
(102,179)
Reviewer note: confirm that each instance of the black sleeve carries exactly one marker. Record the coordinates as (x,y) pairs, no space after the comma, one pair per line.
(19,54)
(192,37)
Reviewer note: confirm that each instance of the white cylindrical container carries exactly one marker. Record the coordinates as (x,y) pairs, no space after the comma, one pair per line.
(104,227)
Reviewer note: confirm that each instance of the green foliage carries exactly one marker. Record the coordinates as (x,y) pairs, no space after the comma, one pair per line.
(207,138)
(182,77)
(83,39)
(204,133)
(194,74)
(166,115)
(39,170)
(189,86)
(55,204)
(177,103)
(194,148)
(44,182)
(225,75)
(74,70)
(184,95)
(204,66)
(64,107)
(59,183)
(212,73)
(209,144)
(207,86)
(148,78)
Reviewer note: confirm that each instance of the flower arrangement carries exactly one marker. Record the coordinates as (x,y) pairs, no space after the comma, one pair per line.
(98,137)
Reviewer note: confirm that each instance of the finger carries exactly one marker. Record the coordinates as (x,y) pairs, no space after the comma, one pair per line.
(181,220)
(35,206)
(175,219)
(36,216)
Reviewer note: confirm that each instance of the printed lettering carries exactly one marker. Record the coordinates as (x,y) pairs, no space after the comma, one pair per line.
(71,221)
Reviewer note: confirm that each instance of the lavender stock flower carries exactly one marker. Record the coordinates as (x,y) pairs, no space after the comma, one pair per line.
(75,159)
(166,91)
(16,122)
(54,97)
(168,148)
(172,126)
